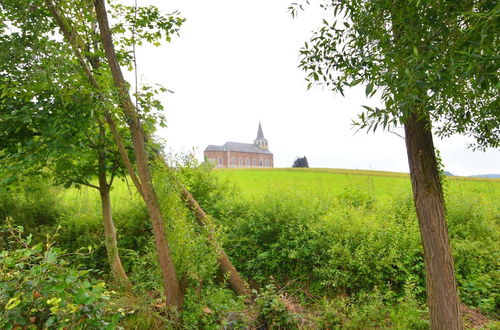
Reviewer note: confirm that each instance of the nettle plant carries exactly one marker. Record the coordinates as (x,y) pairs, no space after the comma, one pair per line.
(39,289)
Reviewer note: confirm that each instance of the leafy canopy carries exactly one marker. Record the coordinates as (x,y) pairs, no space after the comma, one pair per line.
(50,116)
(438,58)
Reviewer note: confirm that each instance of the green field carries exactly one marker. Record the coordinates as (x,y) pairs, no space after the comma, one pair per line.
(321,182)
(314,182)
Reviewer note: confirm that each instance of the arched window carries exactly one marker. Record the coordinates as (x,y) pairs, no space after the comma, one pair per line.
(233,161)
(254,162)
(241,162)
(260,163)
(248,162)
(267,162)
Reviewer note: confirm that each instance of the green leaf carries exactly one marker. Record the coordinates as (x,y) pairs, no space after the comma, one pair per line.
(12,303)
(369,89)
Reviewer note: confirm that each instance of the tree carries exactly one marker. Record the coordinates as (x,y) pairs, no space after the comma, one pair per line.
(435,66)
(49,127)
(300,162)
(149,19)
(100,60)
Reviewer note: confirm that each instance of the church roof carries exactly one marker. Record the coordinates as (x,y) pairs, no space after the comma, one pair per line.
(238,147)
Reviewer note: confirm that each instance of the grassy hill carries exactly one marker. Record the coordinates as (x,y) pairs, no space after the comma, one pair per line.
(327,182)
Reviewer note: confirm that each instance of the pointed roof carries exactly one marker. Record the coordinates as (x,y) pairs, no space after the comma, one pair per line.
(260,135)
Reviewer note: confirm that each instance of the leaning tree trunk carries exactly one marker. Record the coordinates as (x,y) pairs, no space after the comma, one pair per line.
(442,294)
(236,282)
(171,286)
(110,240)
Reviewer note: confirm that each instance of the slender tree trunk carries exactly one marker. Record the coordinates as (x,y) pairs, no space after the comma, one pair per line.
(171,286)
(442,294)
(226,267)
(110,240)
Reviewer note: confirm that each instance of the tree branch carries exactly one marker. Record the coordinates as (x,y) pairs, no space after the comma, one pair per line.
(395,133)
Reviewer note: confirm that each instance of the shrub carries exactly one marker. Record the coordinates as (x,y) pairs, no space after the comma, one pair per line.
(194,257)
(356,198)
(39,289)
(273,311)
(370,310)
(356,243)
(213,307)
(274,237)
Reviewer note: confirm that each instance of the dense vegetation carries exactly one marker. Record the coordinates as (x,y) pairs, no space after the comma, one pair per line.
(344,257)
(323,249)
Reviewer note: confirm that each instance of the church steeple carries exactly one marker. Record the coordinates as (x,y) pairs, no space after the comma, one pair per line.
(261,141)
(260,135)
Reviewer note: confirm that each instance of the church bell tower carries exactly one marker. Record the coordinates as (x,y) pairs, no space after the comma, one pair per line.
(261,141)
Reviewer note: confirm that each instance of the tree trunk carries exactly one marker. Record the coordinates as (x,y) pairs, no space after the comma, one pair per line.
(226,267)
(171,286)
(442,294)
(110,240)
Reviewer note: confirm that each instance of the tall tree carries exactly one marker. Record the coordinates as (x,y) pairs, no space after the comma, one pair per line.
(164,27)
(78,25)
(49,127)
(435,66)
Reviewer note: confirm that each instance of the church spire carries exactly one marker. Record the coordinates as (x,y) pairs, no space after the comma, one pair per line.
(260,135)
(261,141)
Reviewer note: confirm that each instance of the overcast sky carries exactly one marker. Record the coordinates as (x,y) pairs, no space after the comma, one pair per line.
(235,64)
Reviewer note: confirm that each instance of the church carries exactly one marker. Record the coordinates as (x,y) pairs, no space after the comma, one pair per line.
(239,155)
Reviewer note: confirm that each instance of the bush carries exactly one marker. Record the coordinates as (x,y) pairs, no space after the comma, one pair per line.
(273,312)
(355,243)
(213,307)
(376,309)
(39,289)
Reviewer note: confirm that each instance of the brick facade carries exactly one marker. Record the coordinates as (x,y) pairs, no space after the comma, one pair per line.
(226,158)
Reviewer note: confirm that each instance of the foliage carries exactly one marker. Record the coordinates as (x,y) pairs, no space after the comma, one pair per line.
(273,311)
(476,258)
(51,117)
(34,203)
(39,289)
(440,60)
(209,190)
(195,260)
(300,162)
(353,241)
(372,310)
(328,233)
(213,307)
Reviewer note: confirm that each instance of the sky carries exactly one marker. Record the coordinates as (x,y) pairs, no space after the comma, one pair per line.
(235,64)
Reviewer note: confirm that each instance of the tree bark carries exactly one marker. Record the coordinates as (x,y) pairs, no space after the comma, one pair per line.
(110,240)
(442,294)
(173,293)
(226,267)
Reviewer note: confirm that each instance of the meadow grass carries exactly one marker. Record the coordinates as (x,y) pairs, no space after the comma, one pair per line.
(85,200)
(321,182)
(317,183)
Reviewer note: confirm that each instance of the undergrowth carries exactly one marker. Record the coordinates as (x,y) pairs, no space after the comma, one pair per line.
(349,259)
